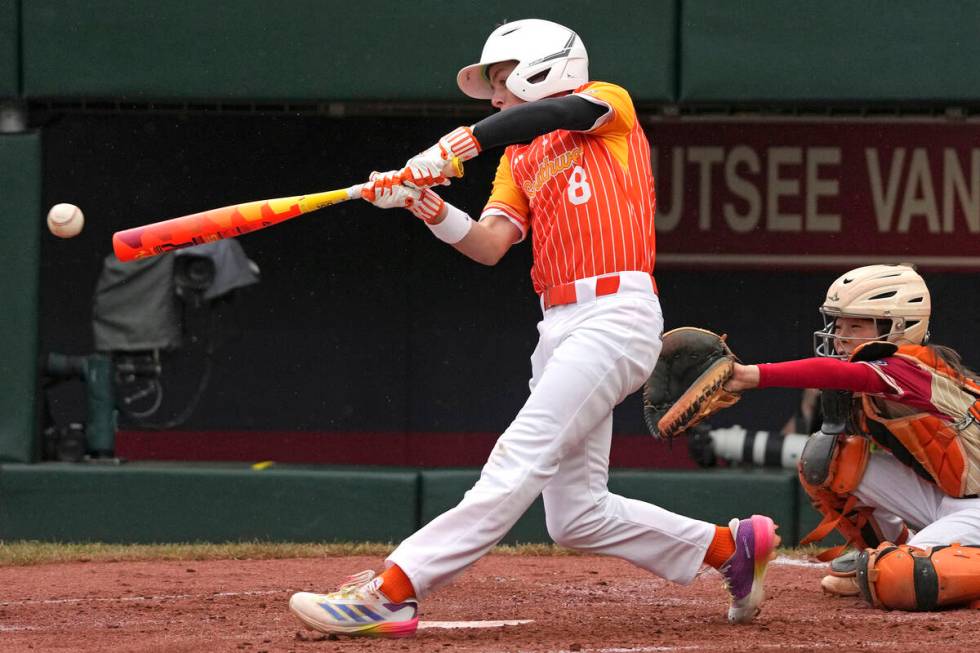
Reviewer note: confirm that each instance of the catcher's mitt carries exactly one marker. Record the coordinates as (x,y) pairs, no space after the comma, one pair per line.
(687,384)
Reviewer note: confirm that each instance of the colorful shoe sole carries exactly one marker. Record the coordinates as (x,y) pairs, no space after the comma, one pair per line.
(388,629)
(764,543)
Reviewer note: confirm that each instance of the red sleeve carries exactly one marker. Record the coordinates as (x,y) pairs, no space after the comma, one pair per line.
(823,373)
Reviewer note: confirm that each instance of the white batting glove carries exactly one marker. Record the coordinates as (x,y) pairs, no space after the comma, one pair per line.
(384,194)
(433,166)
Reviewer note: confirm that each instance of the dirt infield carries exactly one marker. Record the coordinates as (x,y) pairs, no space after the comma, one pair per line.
(577,603)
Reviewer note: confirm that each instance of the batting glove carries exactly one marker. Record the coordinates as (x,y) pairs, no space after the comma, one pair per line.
(433,166)
(385,193)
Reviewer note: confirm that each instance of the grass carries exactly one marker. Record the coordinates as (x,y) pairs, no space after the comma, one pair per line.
(25,553)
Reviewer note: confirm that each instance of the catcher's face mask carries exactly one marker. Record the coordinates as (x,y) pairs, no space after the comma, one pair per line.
(842,334)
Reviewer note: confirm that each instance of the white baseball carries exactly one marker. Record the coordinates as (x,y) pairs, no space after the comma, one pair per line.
(65,220)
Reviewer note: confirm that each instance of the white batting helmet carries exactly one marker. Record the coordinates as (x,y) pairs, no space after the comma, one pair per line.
(550,59)
(895,296)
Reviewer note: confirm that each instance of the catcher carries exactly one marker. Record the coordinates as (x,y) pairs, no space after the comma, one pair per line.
(900,436)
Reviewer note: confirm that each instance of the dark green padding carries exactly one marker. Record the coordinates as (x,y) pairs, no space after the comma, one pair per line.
(144,504)
(316,49)
(9,49)
(719,495)
(836,50)
(714,496)
(20,212)
(159,502)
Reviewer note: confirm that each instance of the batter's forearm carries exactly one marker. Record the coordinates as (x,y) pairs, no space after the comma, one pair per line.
(524,122)
(484,244)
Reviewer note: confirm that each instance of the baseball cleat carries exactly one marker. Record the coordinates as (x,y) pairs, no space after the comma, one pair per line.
(840,585)
(745,571)
(358,607)
(842,579)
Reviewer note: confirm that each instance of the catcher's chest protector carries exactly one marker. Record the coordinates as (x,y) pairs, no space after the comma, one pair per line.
(949,451)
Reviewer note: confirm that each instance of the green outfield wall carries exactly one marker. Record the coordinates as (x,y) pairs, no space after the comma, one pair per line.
(161,502)
(9,48)
(314,49)
(137,504)
(664,51)
(21,215)
(837,50)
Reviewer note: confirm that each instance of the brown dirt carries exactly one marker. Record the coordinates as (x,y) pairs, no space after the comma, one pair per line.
(588,604)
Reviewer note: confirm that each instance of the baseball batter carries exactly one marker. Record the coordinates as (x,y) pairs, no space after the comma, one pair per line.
(576,177)
(921,408)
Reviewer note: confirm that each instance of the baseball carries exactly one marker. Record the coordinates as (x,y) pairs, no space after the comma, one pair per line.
(65,220)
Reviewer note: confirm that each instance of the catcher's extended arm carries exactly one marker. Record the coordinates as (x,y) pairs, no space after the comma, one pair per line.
(687,385)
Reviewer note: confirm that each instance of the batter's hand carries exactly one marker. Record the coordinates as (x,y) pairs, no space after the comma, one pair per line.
(434,166)
(385,192)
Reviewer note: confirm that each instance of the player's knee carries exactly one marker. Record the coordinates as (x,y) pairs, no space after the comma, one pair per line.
(561,531)
(577,533)
(909,578)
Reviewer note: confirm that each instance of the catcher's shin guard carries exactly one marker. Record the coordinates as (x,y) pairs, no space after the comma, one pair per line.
(903,577)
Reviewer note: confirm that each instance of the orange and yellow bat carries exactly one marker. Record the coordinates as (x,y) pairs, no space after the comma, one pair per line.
(230,221)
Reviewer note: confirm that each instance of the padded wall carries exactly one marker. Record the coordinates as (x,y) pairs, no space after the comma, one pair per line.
(837,50)
(158,502)
(9,48)
(140,504)
(315,49)
(320,50)
(20,214)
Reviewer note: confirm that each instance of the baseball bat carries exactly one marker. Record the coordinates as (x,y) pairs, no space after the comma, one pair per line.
(230,221)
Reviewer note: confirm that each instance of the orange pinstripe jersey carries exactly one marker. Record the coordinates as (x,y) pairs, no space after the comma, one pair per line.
(587,197)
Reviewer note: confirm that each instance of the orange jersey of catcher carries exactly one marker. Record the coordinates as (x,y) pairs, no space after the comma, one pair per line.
(587,197)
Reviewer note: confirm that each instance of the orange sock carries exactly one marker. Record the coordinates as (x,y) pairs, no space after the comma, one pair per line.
(722,547)
(396,585)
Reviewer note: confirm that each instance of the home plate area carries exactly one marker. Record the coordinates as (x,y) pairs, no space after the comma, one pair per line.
(503,603)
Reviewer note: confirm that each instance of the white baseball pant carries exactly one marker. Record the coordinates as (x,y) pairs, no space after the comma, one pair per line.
(590,356)
(937,518)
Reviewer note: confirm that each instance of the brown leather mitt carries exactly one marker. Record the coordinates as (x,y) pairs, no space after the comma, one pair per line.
(687,384)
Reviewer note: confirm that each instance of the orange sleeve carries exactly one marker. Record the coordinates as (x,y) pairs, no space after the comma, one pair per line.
(620,118)
(507,198)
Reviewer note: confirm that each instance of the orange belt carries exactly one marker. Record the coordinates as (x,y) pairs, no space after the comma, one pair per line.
(566,294)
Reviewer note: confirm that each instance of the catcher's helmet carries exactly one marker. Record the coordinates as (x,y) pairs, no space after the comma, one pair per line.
(550,59)
(894,296)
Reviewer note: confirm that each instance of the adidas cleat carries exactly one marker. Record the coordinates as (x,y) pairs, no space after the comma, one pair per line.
(359,607)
